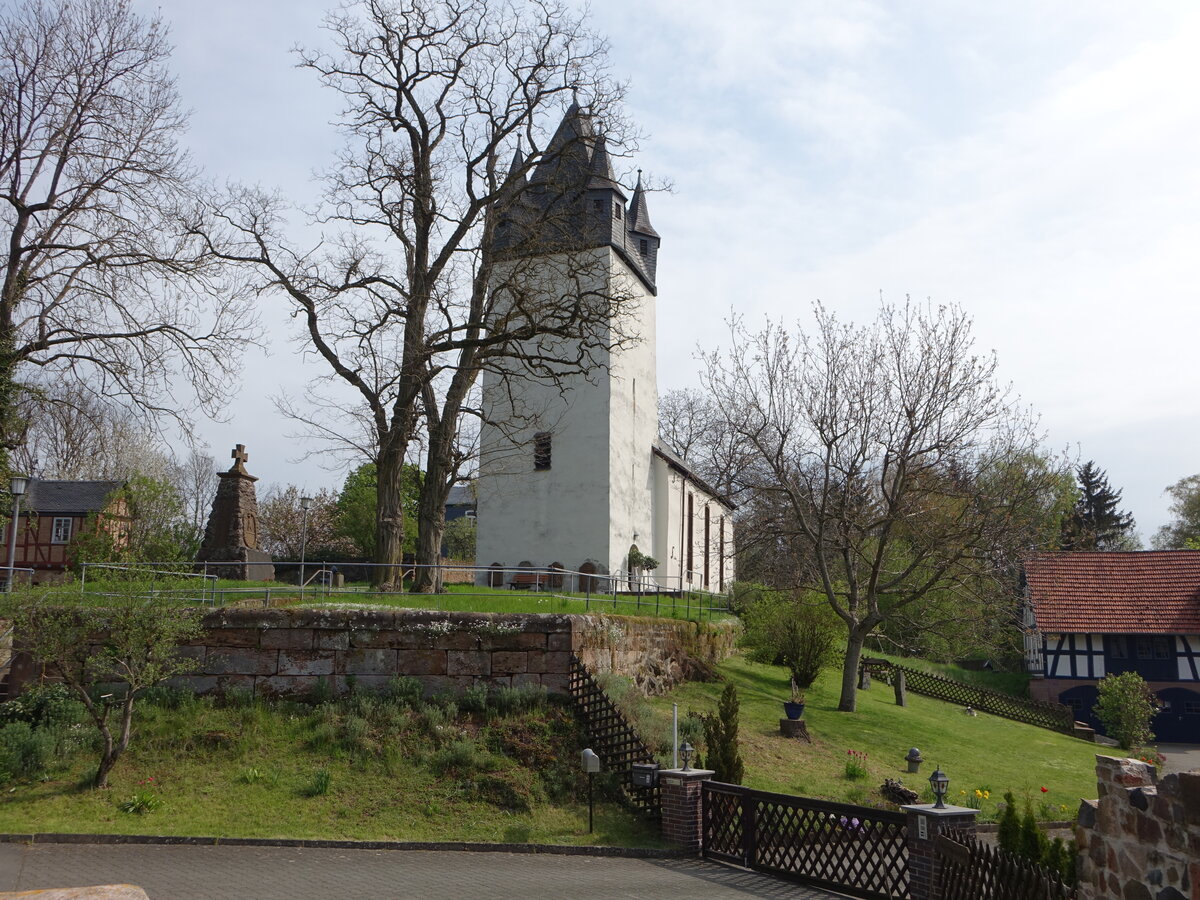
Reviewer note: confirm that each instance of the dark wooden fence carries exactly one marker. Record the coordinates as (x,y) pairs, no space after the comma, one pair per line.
(971,870)
(852,849)
(612,737)
(1054,716)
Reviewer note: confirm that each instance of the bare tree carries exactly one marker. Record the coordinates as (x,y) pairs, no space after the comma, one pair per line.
(411,293)
(100,286)
(281,521)
(890,452)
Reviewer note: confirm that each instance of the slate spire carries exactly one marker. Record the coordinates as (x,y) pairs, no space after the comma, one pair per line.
(639,215)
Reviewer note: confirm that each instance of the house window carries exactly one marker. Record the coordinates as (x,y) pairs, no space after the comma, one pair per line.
(598,205)
(1153,647)
(62,531)
(616,210)
(1117,648)
(645,246)
(541,450)
(1191,707)
(1162,648)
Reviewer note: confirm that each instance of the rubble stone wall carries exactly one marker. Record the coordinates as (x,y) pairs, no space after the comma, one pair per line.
(1140,840)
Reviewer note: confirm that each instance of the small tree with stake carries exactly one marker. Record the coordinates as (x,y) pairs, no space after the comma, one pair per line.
(721,739)
(123,647)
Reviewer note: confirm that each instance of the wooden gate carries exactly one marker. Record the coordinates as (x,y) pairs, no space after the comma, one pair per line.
(972,870)
(852,849)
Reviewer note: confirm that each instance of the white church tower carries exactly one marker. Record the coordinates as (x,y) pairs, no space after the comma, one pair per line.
(572,473)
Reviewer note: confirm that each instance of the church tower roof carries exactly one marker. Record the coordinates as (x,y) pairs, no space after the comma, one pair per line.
(602,177)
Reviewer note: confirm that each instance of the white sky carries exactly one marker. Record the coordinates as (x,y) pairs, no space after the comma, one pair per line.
(1034,162)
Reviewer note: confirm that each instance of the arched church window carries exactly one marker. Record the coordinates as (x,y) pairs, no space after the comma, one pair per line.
(495,575)
(587,581)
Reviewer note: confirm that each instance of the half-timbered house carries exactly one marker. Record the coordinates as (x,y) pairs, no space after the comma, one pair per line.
(1093,614)
(53,513)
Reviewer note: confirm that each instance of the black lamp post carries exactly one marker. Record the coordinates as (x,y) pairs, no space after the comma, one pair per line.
(16,487)
(939,782)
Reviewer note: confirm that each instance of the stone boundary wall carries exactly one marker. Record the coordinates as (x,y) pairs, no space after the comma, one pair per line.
(1141,839)
(284,652)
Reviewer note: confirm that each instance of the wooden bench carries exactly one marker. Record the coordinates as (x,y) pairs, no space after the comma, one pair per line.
(526,580)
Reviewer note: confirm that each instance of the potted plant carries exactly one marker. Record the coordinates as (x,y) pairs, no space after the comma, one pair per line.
(794,708)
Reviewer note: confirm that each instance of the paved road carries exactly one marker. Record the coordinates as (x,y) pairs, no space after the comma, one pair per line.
(265,873)
(1180,757)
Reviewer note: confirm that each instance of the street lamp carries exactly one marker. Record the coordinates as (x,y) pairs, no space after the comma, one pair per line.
(940,783)
(305,505)
(16,487)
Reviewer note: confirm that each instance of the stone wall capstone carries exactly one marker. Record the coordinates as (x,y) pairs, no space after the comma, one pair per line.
(1140,840)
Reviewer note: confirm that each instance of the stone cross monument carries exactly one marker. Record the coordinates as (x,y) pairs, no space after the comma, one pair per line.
(230,543)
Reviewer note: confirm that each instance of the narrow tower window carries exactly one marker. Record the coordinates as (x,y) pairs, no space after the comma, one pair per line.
(691,546)
(541,450)
(645,246)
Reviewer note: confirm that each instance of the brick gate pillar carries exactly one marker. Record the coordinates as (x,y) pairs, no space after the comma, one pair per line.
(682,809)
(924,825)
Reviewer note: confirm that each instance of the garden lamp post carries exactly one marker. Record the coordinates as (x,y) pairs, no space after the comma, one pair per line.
(17,488)
(940,783)
(591,765)
(305,506)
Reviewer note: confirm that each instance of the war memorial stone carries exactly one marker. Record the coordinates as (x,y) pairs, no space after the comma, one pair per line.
(230,545)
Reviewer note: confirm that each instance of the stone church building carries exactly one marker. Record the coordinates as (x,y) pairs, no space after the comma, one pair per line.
(573,474)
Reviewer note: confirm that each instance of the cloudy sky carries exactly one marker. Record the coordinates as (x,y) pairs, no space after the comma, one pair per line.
(1035,163)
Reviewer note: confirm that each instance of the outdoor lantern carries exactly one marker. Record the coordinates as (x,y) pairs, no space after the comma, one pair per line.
(17,485)
(939,782)
(685,751)
(591,762)
(306,503)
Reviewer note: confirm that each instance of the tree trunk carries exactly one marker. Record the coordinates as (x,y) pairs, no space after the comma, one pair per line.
(855,638)
(431,528)
(389,516)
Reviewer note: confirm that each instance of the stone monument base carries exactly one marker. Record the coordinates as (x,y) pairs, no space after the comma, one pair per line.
(240,564)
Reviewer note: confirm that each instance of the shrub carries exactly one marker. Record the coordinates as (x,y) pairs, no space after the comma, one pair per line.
(721,739)
(42,706)
(1009,834)
(796,632)
(25,752)
(405,690)
(1126,707)
(321,692)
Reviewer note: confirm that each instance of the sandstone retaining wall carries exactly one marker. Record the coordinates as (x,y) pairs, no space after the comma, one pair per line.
(286,651)
(1141,839)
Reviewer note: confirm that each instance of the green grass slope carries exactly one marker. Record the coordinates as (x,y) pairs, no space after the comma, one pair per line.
(979,753)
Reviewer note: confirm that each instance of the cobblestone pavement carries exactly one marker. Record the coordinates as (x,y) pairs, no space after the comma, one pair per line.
(170,872)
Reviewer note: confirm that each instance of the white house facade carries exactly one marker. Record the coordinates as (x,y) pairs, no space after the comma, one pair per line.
(573,475)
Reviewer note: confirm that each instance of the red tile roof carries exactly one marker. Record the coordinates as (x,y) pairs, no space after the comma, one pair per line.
(1148,592)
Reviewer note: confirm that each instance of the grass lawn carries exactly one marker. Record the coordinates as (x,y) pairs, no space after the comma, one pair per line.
(420,772)
(982,752)
(457,598)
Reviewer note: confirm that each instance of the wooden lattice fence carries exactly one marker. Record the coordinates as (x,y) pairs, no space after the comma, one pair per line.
(612,737)
(972,870)
(853,849)
(1054,716)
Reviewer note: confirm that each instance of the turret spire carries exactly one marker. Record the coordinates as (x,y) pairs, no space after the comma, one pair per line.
(639,215)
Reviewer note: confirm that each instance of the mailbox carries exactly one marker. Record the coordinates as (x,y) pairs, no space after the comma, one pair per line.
(645,774)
